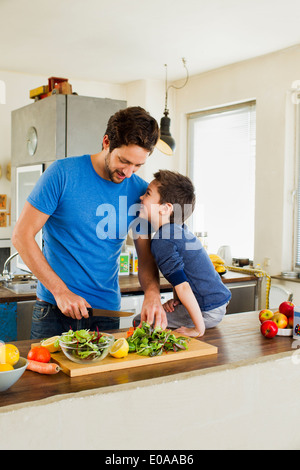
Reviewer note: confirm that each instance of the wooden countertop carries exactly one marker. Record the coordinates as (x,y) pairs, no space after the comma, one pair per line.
(238,339)
(128,284)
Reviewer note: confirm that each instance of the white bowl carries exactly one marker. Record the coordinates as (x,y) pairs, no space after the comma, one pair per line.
(285,332)
(10,377)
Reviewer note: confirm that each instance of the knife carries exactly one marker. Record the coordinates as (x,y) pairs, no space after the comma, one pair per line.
(98,312)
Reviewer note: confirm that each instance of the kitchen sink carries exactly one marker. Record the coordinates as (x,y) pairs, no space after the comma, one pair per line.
(21,287)
(21,284)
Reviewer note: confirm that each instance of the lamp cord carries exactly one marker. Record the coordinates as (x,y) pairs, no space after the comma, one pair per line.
(173,86)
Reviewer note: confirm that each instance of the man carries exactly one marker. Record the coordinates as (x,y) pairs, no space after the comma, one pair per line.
(79,202)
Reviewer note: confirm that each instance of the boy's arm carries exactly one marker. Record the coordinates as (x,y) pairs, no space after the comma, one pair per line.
(189,301)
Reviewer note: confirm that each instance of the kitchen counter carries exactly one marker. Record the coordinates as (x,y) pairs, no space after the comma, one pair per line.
(238,338)
(128,284)
(244,397)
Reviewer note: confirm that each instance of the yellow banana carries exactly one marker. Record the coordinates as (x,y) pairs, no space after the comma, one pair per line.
(216,259)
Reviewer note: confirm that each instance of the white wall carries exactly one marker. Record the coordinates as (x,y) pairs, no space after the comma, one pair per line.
(266,79)
(150,94)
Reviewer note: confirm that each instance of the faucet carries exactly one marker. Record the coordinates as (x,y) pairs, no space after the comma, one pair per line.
(5,274)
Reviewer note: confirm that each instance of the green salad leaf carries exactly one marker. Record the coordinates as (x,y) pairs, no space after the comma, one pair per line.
(84,344)
(150,341)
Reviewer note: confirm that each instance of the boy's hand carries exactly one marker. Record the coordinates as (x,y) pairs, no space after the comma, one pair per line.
(170,305)
(192,332)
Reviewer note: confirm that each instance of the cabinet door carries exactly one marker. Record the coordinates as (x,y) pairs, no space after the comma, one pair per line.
(165,296)
(130,303)
(244,297)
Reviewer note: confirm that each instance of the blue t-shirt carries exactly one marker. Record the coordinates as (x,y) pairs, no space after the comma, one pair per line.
(89,221)
(181,258)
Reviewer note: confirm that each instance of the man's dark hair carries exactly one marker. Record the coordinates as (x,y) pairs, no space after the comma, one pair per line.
(132,126)
(178,190)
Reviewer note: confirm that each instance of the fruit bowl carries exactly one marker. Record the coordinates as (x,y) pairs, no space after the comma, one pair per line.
(222,273)
(10,377)
(86,347)
(285,332)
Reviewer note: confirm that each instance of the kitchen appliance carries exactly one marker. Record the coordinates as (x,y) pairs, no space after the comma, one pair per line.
(225,253)
(60,126)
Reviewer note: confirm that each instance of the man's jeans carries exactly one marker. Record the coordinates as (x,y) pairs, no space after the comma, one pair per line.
(48,320)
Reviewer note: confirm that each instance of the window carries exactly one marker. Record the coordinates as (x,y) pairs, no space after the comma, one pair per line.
(222,148)
(297,210)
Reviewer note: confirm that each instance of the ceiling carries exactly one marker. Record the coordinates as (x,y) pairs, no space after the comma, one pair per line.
(119,41)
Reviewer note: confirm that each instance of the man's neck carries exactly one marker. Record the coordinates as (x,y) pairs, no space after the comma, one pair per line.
(98,162)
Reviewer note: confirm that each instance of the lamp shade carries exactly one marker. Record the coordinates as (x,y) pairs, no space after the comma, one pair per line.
(165,135)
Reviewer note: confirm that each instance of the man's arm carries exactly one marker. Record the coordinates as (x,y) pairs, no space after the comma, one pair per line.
(28,225)
(149,280)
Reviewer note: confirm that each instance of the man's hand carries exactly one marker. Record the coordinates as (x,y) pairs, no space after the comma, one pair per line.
(153,309)
(72,305)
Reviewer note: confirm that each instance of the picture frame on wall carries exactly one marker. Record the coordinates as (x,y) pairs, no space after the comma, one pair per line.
(3,219)
(3,202)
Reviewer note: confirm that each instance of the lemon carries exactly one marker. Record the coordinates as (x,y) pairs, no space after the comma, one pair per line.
(2,353)
(5,367)
(49,344)
(12,354)
(120,348)
(220,269)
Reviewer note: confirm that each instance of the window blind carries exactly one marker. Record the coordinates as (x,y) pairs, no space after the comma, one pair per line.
(221,155)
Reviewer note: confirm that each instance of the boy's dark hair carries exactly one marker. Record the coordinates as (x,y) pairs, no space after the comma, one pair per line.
(133,125)
(178,190)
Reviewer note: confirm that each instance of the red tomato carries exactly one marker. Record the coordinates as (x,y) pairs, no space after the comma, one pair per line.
(39,354)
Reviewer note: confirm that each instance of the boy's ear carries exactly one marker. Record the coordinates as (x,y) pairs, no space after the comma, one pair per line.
(166,208)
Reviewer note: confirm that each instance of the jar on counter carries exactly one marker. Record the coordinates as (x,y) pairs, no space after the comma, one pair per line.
(203,237)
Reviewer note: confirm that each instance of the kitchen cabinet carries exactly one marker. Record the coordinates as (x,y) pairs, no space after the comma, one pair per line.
(244,296)
(133,303)
(8,321)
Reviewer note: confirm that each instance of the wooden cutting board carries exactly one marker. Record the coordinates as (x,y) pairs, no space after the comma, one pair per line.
(196,348)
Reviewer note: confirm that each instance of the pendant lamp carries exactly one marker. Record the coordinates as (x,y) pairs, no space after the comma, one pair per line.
(166,143)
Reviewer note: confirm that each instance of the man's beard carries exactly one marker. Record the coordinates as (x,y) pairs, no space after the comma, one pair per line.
(110,173)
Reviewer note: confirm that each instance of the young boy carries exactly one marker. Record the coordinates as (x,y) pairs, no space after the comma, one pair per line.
(200,297)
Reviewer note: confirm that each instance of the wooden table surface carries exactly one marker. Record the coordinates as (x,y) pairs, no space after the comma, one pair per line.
(238,338)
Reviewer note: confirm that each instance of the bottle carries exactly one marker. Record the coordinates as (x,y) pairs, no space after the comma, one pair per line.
(124,260)
(203,237)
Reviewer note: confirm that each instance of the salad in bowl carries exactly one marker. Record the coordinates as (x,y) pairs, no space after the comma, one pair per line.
(85,346)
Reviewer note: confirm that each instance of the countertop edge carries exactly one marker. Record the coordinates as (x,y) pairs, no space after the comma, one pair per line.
(147,382)
(128,285)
